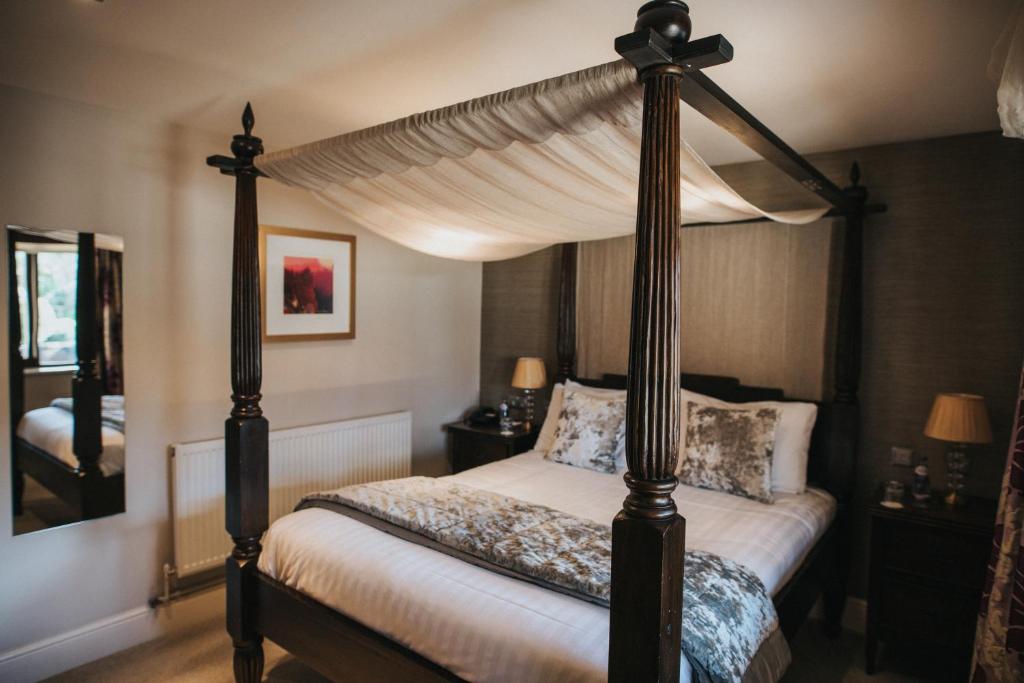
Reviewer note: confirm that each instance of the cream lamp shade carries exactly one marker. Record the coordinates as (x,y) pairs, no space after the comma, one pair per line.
(529,374)
(961,418)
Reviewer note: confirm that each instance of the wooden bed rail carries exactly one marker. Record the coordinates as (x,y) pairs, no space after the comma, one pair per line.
(246,431)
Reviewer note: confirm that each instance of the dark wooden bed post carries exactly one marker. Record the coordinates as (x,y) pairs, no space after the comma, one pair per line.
(566,342)
(86,388)
(246,431)
(848,332)
(846,406)
(648,536)
(16,370)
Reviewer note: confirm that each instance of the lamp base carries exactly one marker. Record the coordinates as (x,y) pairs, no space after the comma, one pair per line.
(957,465)
(529,404)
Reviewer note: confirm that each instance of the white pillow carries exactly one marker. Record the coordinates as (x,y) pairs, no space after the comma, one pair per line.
(550,427)
(792,437)
(595,391)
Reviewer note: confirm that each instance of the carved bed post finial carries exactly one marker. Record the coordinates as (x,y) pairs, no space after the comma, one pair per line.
(246,431)
(566,341)
(648,536)
(248,120)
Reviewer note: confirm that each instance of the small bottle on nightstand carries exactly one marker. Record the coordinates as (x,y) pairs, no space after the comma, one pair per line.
(504,419)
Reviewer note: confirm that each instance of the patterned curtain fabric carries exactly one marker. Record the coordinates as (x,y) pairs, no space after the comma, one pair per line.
(109,302)
(999,643)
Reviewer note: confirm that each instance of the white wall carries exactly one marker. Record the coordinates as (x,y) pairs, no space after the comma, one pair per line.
(66,165)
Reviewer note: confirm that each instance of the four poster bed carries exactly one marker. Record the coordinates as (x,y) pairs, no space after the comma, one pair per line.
(74,448)
(353,597)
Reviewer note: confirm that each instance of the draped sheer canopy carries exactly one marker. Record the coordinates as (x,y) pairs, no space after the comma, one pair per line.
(504,175)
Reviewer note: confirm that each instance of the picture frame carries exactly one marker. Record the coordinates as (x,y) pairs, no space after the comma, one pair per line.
(307,284)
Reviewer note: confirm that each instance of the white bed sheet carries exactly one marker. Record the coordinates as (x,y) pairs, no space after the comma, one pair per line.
(51,429)
(487,627)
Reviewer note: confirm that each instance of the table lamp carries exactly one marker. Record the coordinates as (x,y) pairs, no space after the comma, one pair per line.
(959,419)
(529,376)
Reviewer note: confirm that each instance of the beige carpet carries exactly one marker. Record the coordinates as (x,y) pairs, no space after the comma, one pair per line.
(203,655)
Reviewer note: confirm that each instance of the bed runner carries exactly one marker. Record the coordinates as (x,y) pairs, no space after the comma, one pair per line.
(728,616)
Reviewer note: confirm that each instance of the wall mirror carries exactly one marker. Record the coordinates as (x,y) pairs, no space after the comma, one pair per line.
(66,361)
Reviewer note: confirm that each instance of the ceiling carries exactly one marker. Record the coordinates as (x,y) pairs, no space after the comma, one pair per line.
(824,74)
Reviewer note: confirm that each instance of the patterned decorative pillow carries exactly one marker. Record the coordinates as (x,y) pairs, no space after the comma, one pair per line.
(591,431)
(730,450)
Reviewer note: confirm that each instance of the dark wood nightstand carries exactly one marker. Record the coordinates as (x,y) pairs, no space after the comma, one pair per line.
(927,569)
(472,446)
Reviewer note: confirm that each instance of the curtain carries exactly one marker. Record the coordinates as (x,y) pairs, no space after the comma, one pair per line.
(1006,68)
(109,317)
(754,304)
(507,174)
(999,643)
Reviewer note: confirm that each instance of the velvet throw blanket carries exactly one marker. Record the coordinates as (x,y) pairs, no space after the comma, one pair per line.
(728,617)
(111,410)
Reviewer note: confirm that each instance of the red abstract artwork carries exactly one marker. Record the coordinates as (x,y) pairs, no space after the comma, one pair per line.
(308,285)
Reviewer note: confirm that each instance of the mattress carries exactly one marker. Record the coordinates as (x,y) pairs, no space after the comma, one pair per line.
(50,429)
(487,627)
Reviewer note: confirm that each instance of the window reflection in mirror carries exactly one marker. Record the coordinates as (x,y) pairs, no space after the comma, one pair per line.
(66,376)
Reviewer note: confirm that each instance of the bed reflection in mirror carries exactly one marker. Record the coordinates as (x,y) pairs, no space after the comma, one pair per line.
(66,369)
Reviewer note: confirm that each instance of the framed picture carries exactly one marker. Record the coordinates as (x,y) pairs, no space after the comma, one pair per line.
(308,283)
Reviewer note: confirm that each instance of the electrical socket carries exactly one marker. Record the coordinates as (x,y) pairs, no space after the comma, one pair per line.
(901,456)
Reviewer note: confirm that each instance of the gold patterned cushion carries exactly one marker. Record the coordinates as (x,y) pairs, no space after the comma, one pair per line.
(591,431)
(730,450)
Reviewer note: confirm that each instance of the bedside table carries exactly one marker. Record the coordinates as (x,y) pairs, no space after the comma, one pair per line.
(926,571)
(472,446)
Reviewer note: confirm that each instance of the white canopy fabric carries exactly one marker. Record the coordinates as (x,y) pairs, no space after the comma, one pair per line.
(507,174)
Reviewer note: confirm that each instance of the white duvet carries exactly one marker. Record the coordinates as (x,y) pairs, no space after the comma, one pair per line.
(487,627)
(51,429)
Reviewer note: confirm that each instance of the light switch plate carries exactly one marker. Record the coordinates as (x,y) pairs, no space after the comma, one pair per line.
(901,456)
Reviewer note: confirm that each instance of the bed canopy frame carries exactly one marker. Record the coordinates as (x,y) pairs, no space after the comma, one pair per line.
(85,488)
(648,534)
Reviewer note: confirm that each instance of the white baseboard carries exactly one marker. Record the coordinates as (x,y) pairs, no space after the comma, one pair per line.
(855,614)
(64,651)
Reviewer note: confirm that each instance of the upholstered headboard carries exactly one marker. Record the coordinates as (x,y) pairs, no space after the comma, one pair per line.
(832,456)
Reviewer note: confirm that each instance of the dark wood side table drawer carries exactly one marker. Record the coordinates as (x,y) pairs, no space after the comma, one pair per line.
(935,552)
(472,446)
(940,615)
(926,572)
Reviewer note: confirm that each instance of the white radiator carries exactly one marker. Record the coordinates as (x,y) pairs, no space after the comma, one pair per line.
(302,460)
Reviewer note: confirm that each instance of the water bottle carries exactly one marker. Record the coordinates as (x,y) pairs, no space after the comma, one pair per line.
(504,419)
